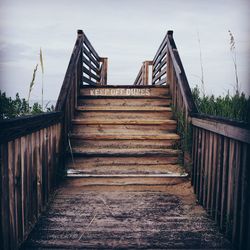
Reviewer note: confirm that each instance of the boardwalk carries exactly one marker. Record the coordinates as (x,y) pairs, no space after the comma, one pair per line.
(151,217)
(124,167)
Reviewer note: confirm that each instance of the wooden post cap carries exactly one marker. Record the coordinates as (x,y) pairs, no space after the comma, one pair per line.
(80,32)
(170,32)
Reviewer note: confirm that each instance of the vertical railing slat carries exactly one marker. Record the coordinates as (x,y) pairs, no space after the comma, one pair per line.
(223,169)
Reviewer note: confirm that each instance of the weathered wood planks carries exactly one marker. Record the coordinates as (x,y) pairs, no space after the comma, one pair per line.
(85,66)
(221,177)
(143,74)
(123,126)
(126,217)
(28,163)
(219,146)
(167,69)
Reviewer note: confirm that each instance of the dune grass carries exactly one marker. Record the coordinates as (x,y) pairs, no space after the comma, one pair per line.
(235,106)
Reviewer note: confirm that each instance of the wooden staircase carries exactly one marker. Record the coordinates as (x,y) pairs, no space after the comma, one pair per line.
(124,135)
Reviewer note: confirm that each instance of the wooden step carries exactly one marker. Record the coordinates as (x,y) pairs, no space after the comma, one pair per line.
(106,121)
(124,180)
(124,114)
(78,174)
(124,152)
(123,144)
(118,101)
(124,108)
(121,91)
(106,168)
(98,160)
(124,135)
(124,129)
(159,136)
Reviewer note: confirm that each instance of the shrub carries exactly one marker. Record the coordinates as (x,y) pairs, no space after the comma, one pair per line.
(11,108)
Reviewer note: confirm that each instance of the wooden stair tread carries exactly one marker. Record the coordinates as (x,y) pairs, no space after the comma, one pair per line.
(102,143)
(162,136)
(82,181)
(169,175)
(124,129)
(122,121)
(123,108)
(124,169)
(83,97)
(123,150)
(124,114)
(132,151)
(125,86)
(112,166)
(140,161)
(124,135)
(123,101)
(130,90)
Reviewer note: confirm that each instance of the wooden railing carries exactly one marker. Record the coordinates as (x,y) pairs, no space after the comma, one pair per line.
(94,67)
(167,69)
(143,75)
(220,149)
(33,148)
(30,165)
(85,67)
(221,174)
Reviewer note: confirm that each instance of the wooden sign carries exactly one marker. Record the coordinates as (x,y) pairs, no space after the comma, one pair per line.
(120,92)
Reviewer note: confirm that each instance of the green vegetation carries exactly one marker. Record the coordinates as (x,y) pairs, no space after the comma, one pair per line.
(32,83)
(234,58)
(11,108)
(236,107)
(232,106)
(185,143)
(183,129)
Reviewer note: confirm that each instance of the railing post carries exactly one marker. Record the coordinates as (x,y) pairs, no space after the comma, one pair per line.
(80,33)
(169,62)
(145,73)
(104,70)
(79,69)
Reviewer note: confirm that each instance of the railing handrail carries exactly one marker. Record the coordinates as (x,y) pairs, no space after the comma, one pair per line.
(11,129)
(138,77)
(62,98)
(89,45)
(222,128)
(223,120)
(163,43)
(97,67)
(142,76)
(180,73)
(169,48)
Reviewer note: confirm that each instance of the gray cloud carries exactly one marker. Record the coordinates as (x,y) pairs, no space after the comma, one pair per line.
(10,52)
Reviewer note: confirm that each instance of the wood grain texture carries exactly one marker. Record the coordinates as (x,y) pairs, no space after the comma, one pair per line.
(131,135)
(234,132)
(11,129)
(125,187)
(104,121)
(26,180)
(124,101)
(124,219)
(122,108)
(125,91)
(220,165)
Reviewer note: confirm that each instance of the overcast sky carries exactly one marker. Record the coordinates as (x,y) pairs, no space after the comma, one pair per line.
(127,32)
